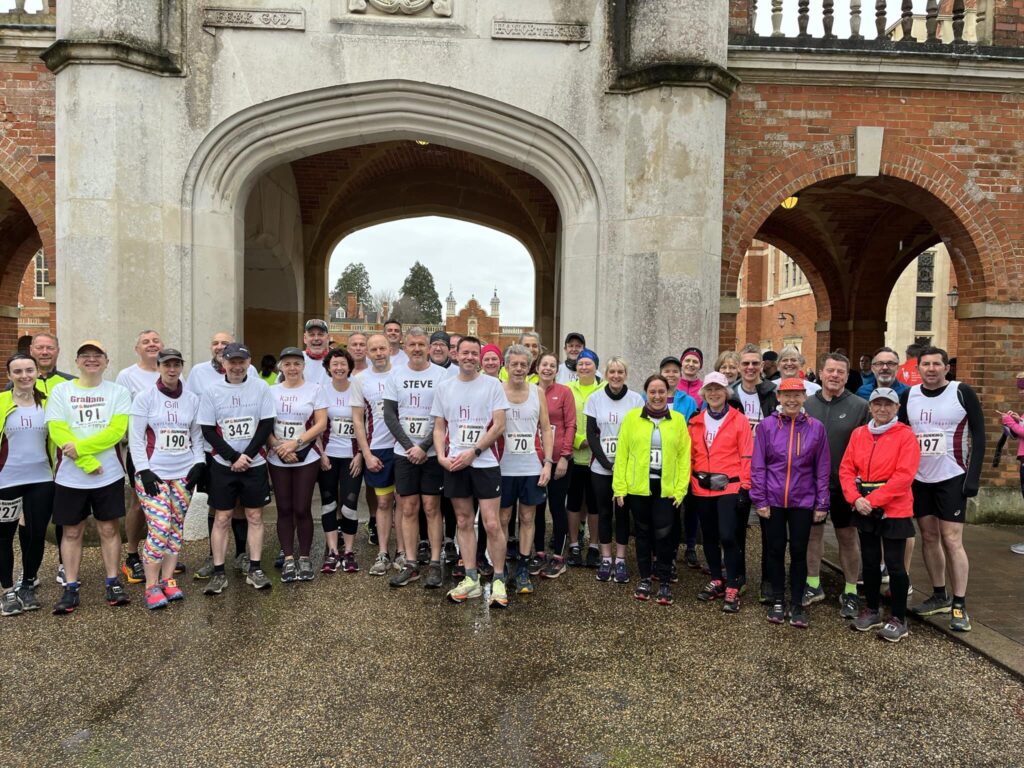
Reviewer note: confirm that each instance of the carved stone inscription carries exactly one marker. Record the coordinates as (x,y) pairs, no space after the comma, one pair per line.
(408,7)
(254,19)
(540,30)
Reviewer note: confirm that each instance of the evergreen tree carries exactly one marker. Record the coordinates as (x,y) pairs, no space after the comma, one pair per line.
(419,287)
(356,279)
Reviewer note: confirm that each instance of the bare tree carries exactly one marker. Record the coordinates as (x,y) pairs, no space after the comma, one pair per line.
(383,296)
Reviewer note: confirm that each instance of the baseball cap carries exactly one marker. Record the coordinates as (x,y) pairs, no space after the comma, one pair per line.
(290,352)
(440,336)
(792,385)
(575,335)
(169,353)
(884,392)
(316,322)
(236,351)
(98,346)
(716,378)
(670,360)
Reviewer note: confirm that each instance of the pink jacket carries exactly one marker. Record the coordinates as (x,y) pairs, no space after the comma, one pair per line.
(692,388)
(1017,428)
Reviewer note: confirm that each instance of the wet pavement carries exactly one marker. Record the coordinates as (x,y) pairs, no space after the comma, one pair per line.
(344,671)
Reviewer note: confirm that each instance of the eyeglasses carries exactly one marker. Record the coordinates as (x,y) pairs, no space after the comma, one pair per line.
(91,357)
(750,365)
(884,364)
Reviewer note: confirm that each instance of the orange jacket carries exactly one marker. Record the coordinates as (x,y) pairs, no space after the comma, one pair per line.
(892,458)
(728,454)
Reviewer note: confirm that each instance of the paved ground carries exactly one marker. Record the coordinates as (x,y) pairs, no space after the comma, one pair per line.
(344,671)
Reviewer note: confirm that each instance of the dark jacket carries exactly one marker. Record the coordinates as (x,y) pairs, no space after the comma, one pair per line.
(765,393)
(840,415)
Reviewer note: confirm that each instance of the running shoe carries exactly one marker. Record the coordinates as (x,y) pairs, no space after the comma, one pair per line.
(959,621)
(523,584)
(665,594)
(289,570)
(305,569)
(218,581)
(777,613)
(204,571)
(372,535)
(535,564)
(593,557)
(179,567)
(643,590)
(410,572)
(399,562)
(690,558)
(242,562)
(133,571)
(850,605)
(799,618)
(764,595)
(257,579)
(155,598)
(331,563)
(485,569)
(349,563)
(459,570)
(380,565)
(20,582)
(499,596)
(1017,549)
(451,553)
(713,590)
(933,605)
(279,561)
(61,578)
(731,604)
(575,559)
(467,588)
(171,590)
(742,582)
(29,601)
(621,572)
(604,571)
(116,596)
(812,595)
(894,630)
(867,620)
(68,601)
(554,567)
(10,604)
(673,573)
(432,579)
(423,553)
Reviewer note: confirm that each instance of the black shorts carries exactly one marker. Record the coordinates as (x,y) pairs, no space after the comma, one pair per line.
(839,511)
(522,489)
(580,490)
(482,483)
(944,499)
(426,479)
(887,528)
(385,478)
(227,488)
(73,505)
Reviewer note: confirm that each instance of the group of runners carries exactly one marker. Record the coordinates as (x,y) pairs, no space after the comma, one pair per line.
(466,449)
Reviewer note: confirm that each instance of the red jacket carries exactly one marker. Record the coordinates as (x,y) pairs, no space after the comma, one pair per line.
(892,458)
(562,413)
(728,454)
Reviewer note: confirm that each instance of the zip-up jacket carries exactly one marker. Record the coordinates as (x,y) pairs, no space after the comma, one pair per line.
(840,415)
(562,413)
(765,393)
(1017,430)
(790,464)
(890,458)
(729,453)
(632,473)
(692,388)
(580,393)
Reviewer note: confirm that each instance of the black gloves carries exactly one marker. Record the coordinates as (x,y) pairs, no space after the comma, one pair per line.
(150,482)
(970,490)
(194,476)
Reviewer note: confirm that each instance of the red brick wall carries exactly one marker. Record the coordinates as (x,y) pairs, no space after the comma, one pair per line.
(739,18)
(1008,22)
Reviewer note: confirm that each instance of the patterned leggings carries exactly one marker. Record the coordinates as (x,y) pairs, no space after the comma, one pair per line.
(165,515)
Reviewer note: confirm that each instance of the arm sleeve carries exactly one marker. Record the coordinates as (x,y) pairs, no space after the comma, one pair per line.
(219,444)
(976,426)
(902,414)
(683,480)
(106,438)
(391,420)
(823,471)
(594,439)
(758,471)
(848,470)
(428,442)
(1016,428)
(569,426)
(263,432)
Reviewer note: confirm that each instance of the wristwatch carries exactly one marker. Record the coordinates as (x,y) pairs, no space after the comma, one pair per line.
(477,451)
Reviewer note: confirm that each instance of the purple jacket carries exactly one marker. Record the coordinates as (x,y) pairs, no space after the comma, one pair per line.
(791,463)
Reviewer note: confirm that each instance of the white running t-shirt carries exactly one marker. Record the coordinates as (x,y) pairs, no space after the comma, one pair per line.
(468,407)
(370,387)
(521,447)
(23,459)
(87,411)
(236,410)
(609,415)
(164,433)
(413,391)
(294,413)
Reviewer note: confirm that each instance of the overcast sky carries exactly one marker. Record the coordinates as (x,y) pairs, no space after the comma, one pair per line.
(471,258)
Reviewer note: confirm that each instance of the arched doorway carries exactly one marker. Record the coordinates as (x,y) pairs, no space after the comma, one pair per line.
(260,156)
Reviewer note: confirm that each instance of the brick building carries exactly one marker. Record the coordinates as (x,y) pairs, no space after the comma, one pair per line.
(473,320)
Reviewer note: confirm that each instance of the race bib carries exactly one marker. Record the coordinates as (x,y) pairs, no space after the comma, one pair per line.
(89,415)
(655,458)
(238,428)
(288,430)
(519,443)
(173,440)
(343,426)
(932,443)
(415,426)
(470,434)
(609,445)
(10,510)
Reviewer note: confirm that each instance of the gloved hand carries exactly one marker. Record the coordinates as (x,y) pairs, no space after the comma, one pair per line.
(150,482)
(744,498)
(194,476)
(970,490)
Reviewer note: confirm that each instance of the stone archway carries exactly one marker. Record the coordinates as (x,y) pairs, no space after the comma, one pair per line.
(231,160)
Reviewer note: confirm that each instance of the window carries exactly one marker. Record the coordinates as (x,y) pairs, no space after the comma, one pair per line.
(786,283)
(42,274)
(923,318)
(471,327)
(925,272)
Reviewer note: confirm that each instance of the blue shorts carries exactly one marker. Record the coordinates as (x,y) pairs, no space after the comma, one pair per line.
(522,489)
(385,478)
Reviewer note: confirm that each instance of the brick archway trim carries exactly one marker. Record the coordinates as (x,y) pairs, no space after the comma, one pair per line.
(19,172)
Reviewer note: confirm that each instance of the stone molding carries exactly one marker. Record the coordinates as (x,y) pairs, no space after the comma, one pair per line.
(696,75)
(66,52)
(990,309)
